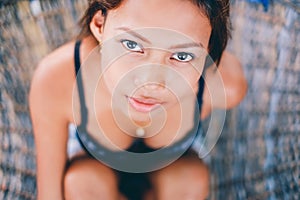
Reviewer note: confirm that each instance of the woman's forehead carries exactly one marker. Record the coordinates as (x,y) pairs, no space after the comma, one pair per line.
(181,16)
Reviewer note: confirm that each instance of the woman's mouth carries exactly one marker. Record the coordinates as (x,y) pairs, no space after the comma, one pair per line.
(143,104)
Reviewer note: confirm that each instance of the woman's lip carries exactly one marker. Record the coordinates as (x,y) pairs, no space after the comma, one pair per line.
(143,105)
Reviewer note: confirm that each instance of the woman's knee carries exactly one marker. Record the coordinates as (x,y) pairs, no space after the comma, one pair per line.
(184,179)
(87,178)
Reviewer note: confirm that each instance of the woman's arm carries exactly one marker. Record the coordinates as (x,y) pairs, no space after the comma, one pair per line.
(228,94)
(49,99)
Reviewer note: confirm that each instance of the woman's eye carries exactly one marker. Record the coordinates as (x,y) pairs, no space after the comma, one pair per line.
(132,46)
(183,56)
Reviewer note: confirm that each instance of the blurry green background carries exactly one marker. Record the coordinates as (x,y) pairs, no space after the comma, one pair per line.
(258,153)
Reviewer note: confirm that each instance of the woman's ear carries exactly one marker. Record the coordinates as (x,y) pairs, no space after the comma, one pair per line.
(96,25)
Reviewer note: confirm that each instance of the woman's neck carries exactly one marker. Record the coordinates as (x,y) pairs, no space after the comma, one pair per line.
(88,44)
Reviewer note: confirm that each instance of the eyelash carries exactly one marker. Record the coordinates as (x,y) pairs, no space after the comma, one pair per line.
(126,44)
(190,56)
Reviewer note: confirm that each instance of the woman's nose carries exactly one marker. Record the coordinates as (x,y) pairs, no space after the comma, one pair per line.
(154,74)
(151,77)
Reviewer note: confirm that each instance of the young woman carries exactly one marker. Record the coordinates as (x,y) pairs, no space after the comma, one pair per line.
(150,53)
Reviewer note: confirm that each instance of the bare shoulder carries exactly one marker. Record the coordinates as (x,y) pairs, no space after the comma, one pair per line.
(56,63)
(233,83)
(234,79)
(53,79)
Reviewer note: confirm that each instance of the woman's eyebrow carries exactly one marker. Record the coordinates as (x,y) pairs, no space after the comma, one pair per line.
(187,45)
(134,34)
(177,46)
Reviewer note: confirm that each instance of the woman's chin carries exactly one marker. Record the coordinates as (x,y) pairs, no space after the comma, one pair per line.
(140,119)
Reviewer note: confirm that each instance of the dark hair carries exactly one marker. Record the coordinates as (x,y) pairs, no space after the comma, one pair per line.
(217,11)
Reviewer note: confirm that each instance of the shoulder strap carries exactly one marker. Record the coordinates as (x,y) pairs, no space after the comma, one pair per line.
(77,56)
(200,92)
(83,108)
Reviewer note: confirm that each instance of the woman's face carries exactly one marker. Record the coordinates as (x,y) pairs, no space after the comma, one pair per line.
(153,53)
